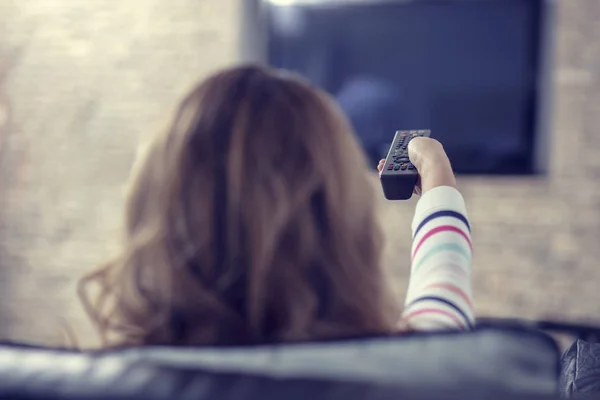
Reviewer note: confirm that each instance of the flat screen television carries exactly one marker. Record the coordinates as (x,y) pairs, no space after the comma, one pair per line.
(472,71)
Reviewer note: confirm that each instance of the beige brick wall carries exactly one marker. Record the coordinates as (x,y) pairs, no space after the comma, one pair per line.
(80,81)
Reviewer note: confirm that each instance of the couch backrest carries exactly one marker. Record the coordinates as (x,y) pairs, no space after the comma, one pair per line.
(484,361)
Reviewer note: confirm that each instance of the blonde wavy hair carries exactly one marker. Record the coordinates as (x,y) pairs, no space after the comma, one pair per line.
(250,220)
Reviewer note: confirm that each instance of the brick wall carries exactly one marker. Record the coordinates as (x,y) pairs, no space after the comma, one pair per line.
(81,81)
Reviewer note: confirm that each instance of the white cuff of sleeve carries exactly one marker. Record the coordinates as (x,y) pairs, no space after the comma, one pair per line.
(436,199)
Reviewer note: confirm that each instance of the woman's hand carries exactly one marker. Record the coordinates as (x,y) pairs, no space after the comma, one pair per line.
(432,163)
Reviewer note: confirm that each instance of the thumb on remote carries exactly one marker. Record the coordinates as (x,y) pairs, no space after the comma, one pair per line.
(432,163)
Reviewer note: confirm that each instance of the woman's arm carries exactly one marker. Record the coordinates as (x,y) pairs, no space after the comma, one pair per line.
(439,290)
(439,293)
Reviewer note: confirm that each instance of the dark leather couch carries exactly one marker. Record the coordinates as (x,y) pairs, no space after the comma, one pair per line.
(487,363)
(580,372)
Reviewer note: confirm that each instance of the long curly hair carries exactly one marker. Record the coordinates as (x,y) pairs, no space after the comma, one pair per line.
(250,220)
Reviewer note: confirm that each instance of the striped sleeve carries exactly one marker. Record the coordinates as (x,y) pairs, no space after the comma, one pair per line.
(439,291)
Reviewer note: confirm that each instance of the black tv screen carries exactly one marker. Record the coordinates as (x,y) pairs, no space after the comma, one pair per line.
(466,69)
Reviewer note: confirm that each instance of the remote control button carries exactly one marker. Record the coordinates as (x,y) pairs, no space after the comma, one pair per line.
(410,166)
(397,167)
(390,167)
(403,167)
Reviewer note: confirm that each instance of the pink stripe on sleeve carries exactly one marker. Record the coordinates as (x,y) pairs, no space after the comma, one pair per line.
(436,311)
(452,288)
(438,229)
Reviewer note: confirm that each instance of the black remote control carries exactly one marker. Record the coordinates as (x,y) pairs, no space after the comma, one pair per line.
(399,176)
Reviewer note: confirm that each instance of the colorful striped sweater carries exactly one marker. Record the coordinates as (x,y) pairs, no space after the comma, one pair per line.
(439,291)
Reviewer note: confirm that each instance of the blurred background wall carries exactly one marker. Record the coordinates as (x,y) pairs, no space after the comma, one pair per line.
(82,81)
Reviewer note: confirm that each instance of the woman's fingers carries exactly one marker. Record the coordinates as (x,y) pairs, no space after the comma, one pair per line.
(417,189)
(380,165)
